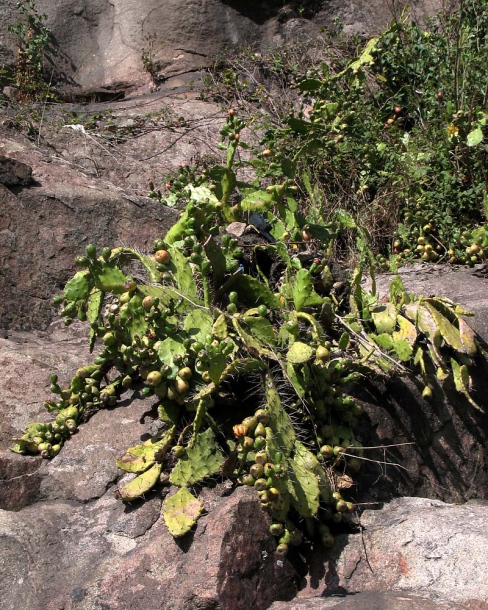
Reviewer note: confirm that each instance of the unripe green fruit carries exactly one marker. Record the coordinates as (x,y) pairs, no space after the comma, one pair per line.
(274,494)
(161,390)
(260,484)
(262,416)
(181,385)
(185,373)
(276,529)
(154,378)
(282,550)
(259,442)
(260,430)
(342,507)
(179,451)
(248,479)
(108,339)
(91,251)
(262,457)
(247,443)
(256,470)
(233,296)
(427,393)
(147,303)
(326,451)
(322,353)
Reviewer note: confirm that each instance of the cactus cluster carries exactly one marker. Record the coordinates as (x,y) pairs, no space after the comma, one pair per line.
(200,315)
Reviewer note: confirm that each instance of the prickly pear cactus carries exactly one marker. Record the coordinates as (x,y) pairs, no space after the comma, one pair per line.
(200,319)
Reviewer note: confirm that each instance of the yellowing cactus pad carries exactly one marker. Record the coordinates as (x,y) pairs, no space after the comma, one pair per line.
(181,512)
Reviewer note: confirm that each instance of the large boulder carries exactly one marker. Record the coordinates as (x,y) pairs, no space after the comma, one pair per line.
(46,220)
(124,45)
(416,546)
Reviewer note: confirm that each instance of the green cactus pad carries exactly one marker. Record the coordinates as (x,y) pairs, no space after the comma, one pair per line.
(384,317)
(168,349)
(254,292)
(303,292)
(202,460)
(403,350)
(78,287)
(407,330)
(181,512)
(108,277)
(251,343)
(279,420)
(219,328)
(141,457)
(449,333)
(304,489)
(385,341)
(198,324)
(299,353)
(141,484)
(261,329)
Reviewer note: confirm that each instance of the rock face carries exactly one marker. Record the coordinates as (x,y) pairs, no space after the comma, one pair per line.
(45,224)
(122,45)
(67,542)
(417,546)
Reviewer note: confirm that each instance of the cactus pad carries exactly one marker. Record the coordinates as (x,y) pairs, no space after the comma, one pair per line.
(181,512)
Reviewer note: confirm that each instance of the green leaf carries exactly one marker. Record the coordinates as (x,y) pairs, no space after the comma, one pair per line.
(407,330)
(475,137)
(310,84)
(298,125)
(257,201)
(141,484)
(217,260)
(288,167)
(344,341)
(251,343)
(132,316)
(299,353)
(78,287)
(181,511)
(217,365)
(468,338)
(169,412)
(461,381)
(203,459)
(365,57)
(228,183)
(296,379)
(345,220)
